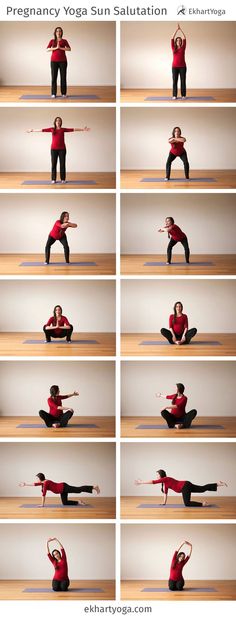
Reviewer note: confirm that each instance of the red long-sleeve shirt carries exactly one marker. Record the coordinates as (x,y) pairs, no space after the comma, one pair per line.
(178,54)
(53,404)
(62,321)
(57,231)
(61,567)
(58,141)
(170,484)
(177,148)
(180,403)
(177,567)
(49,485)
(178,323)
(59,55)
(175,232)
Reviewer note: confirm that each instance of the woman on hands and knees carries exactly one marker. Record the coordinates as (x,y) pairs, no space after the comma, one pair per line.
(60,581)
(176,580)
(178,332)
(62,488)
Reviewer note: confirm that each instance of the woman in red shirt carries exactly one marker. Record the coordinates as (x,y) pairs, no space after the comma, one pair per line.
(56,418)
(58,147)
(183,487)
(178,46)
(58,326)
(177,417)
(60,581)
(58,46)
(62,488)
(178,332)
(176,235)
(177,150)
(58,233)
(176,580)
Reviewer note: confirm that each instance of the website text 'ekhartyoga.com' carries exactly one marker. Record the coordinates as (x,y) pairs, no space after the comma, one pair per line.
(120,610)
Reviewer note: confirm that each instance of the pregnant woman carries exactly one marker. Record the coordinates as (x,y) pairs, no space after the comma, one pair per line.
(178,46)
(61,488)
(177,150)
(58,233)
(58,46)
(175,415)
(60,581)
(57,418)
(58,326)
(58,147)
(183,487)
(176,235)
(178,332)
(176,580)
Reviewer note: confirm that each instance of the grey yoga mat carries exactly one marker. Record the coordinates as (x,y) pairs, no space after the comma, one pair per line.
(169,506)
(178,264)
(179,180)
(186,589)
(54,506)
(186,99)
(58,264)
(163,343)
(42,97)
(195,427)
(75,182)
(71,589)
(60,341)
(71,425)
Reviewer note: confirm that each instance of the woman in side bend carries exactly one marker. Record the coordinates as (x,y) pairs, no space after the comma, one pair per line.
(178,46)
(183,487)
(176,235)
(61,488)
(58,46)
(179,560)
(57,418)
(60,581)
(175,415)
(58,233)
(178,332)
(58,326)
(177,142)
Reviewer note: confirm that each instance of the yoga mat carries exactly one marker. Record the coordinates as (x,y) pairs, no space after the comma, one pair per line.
(58,264)
(53,506)
(50,590)
(179,180)
(160,343)
(164,589)
(179,99)
(176,264)
(71,425)
(60,341)
(169,506)
(162,427)
(41,97)
(75,182)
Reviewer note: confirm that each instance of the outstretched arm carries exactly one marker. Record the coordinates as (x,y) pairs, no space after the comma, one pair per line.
(69,224)
(140,482)
(160,395)
(180,29)
(173,36)
(23,483)
(34,131)
(190,546)
(82,129)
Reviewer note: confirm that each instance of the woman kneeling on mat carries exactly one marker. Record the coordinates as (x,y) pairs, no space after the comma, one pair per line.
(183,487)
(178,46)
(177,150)
(56,418)
(58,233)
(61,488)
(175,415)
(176,235)
(60,581)
(58,46)
(58,326)
(178,332)
(176,580)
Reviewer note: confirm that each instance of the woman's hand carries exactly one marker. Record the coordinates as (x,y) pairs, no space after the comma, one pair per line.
(29,131)
(183,339)
(138,482)
(174,339)
(158,395)
(76,393)
(22,484)
(86,129)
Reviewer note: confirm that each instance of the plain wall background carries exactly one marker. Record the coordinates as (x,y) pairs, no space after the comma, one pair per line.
(210,142)
(209,386)
(34,216)
(200,463)
(90,550)
(77,464)
(27,305)
(147,304)
(146,55)
(147,550)
(91,61)
(94,380)
(92,151)
(209,222)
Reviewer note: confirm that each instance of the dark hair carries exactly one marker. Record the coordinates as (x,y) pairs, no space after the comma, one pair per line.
(54,391)
(172,220)
(54,123)
(180,387)
(173,132)
(176,42)
(52,553)
(178,555)
(174,308)
(63,215)
(54,34)
(162,474)
(54,314)
(41,476)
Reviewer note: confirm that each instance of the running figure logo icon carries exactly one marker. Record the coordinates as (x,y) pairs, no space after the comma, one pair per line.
(181,10)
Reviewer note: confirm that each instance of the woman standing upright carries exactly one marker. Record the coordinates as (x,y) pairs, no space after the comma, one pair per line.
(58,46)
(178,46)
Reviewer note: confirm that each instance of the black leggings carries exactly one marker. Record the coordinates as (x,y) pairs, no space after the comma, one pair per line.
(62,67)
(74,489)
(49,420)
(172,243)
(188,335)
(49,333)
(183,158)
(51,241)
(172,420)
(176,585)
(189,487)
(61,154)
(60,585)
(176,71)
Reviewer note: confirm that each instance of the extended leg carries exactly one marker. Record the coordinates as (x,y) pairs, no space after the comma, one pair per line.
(49,243)
(167,334)
(64,242)
(171,244)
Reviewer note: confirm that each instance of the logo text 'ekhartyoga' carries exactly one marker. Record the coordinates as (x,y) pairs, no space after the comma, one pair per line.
(115,11)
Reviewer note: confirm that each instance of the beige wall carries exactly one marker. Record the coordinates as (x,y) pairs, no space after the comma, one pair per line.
(34,216)
(94,380)
(147,304)
(210,140)
(91,61)
(208,220)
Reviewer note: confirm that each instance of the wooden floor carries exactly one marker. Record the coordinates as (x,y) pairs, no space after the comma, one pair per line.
(12,94)
(197,430)
(101,507)
(14,180)
(105,429)
(130,346)
(10,264)
(11,344)
(226,508)
(14,590)
(224,179)
(138,95)
(224,590)
(223,264)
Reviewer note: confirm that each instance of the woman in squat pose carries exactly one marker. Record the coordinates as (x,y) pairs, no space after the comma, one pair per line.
(61,488)
(176,580)
(58,147)
(176,235)
(183,487)
(60,581)
(178,46)
(178,332)
(58,46)
(175,415)
(58,233)
(58,326)
(177,150)
(56,418)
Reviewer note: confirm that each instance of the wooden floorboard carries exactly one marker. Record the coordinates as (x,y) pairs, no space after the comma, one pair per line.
(10,264)
(12,94)
(130,346)
(101,507)
(138,95)
(224,590)
(132,179)
(226,508)
(12,344)
(105,428)
(14,590)
(197,430)
(14,180)
(222,264)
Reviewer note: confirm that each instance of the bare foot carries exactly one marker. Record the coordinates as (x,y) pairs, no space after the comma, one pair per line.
(205,504)
(81,502)
(56,425)
(97,489)
(179,426)
(222,483)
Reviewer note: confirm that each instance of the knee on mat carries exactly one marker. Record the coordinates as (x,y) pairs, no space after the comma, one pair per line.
(64,586)
(179,586)
(172,586)
(56,585)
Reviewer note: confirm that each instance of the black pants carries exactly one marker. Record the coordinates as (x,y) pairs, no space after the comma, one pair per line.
(63,241)
(172,243)
(74,489)
(176,585)
(172,420)
(176,71)
(183,158)
(60,585)
(189,487)
(188,335)
(49,333)
(49,420)
(62,67)
(61,154)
